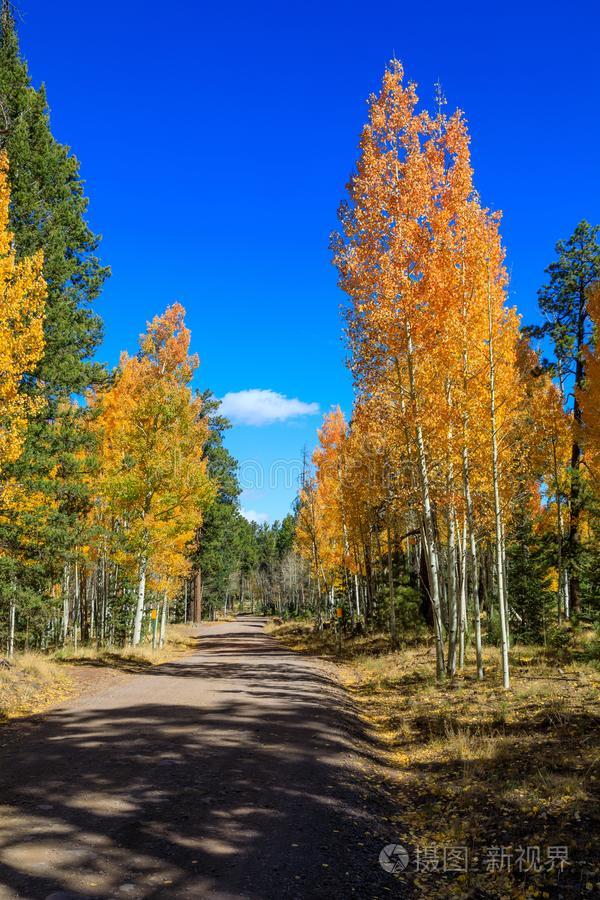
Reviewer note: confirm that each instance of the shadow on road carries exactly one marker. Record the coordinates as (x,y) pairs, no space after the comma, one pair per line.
(229,778)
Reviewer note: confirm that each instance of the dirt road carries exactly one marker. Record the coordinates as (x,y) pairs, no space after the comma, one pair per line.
(232,773)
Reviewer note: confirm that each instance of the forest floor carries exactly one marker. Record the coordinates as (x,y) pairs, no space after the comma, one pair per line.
(37,681)
(501,784)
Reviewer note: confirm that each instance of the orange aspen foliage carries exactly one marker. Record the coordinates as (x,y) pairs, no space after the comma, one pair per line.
(322,532)
(153,481)
(329,465)
(434,347)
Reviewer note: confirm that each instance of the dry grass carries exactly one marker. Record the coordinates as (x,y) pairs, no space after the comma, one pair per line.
(473,766)
(180,639)
(36,681)
(32,683)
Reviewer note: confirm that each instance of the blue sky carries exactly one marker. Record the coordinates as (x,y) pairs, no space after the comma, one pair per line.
(216,141)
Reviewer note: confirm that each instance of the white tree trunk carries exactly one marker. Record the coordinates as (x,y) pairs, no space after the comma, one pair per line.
(429,542)
(141,597)
(474,563)
(502,605)
(451,586)
(469,502)
(77,609)
(462,597)
(65,621)
(505,582)
(12,615)
(452,598)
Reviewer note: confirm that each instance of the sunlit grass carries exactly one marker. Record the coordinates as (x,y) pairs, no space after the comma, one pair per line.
(33,682)
(179,638)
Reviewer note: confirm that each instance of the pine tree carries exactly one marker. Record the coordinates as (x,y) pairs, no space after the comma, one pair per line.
(48,209)
(285,535)
(219,537)
(564,303)
(589,397)
(47,214)
(529,580)
(22,298)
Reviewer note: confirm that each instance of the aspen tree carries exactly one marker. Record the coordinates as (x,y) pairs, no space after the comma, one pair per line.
(431,339)
(394,263)
(153,474)
(497,507)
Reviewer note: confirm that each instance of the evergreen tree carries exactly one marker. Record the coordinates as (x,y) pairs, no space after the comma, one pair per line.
(285,535)
(220,538)
(47,213)
(528,580)
(48,209)
(564,303)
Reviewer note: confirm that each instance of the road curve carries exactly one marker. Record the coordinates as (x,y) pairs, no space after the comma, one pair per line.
(231,773)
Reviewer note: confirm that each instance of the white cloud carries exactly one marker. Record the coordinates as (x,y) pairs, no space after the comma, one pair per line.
(260,407)
(252,516)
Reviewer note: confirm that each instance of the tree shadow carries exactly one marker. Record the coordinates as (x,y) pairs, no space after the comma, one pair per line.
(514,786)
(128,665)
(206,777)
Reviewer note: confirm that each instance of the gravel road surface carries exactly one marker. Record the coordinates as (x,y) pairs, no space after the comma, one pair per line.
(234,772)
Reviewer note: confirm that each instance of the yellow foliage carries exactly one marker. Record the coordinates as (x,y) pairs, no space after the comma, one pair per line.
(152,486)
(22,301)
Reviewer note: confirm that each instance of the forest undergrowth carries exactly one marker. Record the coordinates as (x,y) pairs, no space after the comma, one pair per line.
(501,779)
